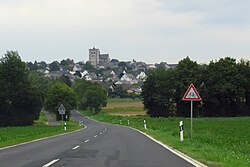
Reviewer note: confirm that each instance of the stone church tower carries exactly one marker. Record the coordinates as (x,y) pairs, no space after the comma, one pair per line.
(94,55)
(96,58)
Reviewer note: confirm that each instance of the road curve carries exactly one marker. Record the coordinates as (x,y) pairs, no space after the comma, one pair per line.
(99,145)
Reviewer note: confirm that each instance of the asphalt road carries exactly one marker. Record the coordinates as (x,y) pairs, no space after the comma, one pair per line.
(98,145)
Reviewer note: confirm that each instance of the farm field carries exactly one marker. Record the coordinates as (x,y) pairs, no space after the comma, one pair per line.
(15,135)
(216,141)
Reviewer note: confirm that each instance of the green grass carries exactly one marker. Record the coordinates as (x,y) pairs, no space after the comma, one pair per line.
(115,100)
(42,120)
(15,135)
(215,142)
(122,109)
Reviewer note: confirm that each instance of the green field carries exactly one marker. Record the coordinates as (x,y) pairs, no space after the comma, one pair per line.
(15,135)
(115,100)
(215,142)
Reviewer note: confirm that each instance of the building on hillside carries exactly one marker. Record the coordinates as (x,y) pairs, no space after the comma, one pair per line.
(96,58)
(94,55)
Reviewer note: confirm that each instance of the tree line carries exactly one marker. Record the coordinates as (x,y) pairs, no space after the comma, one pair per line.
(23,93)
(224,86)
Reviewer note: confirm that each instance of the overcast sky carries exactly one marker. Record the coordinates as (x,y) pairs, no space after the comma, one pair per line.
(145,30)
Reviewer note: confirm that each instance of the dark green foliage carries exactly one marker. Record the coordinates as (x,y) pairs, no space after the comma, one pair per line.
(120,92)
(80,87)
(114,61)
(58,94)
(90,95)
(244,68)
(40,83)
(95,99)
(186,72)
(42,65)
(54,66)
(157,93)
(224,87)
(67,64)
(88,66)
(65,79)
(20,103)
(32,66)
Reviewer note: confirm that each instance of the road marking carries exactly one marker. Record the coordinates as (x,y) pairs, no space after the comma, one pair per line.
(76,147)
(95,136)
(100,133)
(86,141)
(50,163)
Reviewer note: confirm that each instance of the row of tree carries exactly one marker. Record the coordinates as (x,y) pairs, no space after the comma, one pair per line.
(23,93)
(224,86)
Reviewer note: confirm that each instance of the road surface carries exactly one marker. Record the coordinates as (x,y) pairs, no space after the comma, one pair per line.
(98,145)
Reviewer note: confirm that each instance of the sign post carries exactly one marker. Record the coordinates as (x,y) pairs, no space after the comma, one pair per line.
(61,111)
(191,95)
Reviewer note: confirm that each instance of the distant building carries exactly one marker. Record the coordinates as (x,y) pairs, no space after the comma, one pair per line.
(96,58)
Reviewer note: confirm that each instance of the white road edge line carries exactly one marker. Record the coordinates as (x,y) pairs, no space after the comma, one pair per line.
(86,141)
(176,152)
(50,163)
(76,147)
(95,136)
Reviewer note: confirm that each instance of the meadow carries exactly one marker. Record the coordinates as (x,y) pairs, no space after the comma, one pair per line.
(215,142)
(15,135)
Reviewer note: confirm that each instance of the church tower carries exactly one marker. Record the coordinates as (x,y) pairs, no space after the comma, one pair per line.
(94,55)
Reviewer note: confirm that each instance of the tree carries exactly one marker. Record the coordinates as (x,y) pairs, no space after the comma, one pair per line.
(119,91)
(114,61)
(95,99)
(42,65)
(80,87)
(185,73)
(67,64)
(224,88)
(20,103)
(54,66)
(90,95)
(158,92)
(88,66)
(40,83)
(244,68)
(32,66)
(65,79)
(58,94)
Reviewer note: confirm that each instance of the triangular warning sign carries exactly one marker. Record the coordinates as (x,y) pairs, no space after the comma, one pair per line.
(191,94)
(61,109)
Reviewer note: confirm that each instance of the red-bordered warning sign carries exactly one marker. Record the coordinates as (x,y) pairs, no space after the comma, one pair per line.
(191,94)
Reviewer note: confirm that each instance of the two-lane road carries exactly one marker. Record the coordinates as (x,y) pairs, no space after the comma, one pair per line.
(98,145)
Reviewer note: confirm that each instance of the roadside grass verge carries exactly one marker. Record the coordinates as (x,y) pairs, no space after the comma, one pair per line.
(16,135)
(216,141)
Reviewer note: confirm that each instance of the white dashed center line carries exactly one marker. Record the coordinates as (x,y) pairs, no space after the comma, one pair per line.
(50,163)
(76,147)
(95,136)
(86,141)
(100,133)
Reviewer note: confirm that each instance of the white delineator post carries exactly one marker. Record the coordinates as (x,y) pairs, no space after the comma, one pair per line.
(145,124)
(128,122)
(65,126)
(181,130)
